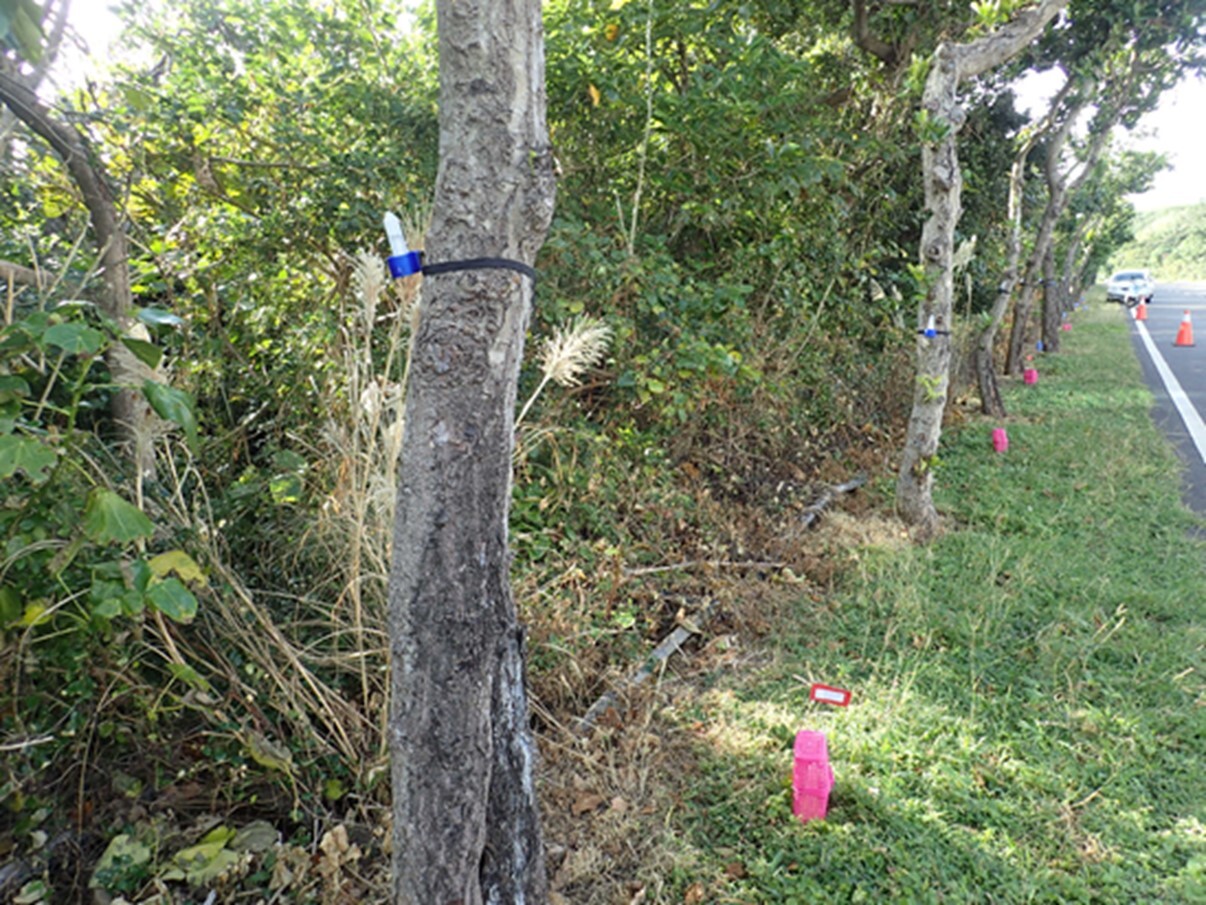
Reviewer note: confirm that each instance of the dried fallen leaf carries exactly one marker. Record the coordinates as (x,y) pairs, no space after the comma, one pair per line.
(335,841)
(695,894)
(337,851)
(585,802)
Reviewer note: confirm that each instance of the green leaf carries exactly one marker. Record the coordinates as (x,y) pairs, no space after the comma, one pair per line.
(74,339)
(148,353)
(188,675)
(157,317)
(285,489)
(204,863)
(142,576)
(111,599)
(181,563)
(10,605)
(268,753)
(35,613)
(35,892)
(137,98)
(173,405)
(13,387)
(173,599)
(108,519)
(257,836)
(122,853)
(26,30)
(28,455)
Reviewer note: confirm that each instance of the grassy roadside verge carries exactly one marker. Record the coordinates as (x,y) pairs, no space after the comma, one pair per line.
(1028,722)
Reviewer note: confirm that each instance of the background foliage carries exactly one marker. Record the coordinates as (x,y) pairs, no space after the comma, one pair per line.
(1171,243)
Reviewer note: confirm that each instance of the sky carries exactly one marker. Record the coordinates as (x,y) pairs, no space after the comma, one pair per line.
(1177,128)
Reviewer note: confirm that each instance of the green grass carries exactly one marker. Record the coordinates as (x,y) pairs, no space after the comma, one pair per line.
(1028,720)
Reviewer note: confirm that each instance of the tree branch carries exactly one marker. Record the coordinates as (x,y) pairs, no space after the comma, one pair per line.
(990,51)
(869,42)
(71,148)
(18,273)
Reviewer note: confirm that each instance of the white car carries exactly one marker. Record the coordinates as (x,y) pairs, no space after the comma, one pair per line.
(1130,287)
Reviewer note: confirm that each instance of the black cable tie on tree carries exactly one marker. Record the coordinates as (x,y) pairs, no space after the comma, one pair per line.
(403,262)
(930,331)
(479,264)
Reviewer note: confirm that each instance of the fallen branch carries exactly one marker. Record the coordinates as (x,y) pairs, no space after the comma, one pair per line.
(813,512)
(671,643)
(701,563)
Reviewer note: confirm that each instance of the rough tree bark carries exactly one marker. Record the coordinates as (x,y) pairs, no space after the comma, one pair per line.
(130,410)
(951,65)
(466,822)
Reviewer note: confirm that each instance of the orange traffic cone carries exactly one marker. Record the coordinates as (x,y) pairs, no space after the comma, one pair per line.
(1185,334)
(1141,311)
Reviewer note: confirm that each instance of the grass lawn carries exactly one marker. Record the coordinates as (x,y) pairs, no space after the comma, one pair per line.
(1028,720)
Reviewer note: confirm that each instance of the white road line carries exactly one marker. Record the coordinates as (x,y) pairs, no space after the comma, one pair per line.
(1189,414)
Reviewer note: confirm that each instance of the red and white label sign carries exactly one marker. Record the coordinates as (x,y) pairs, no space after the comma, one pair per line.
(827,694)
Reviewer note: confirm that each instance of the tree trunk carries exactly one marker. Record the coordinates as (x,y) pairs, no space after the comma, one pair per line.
(54,27)
(952,63)
(1069,287)
(130,410)
(1053,307)
(466,823)
(991,402)
(943,187)
(1061,187)
(1056,196)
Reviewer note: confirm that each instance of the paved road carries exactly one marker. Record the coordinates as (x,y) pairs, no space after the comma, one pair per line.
(1177,377)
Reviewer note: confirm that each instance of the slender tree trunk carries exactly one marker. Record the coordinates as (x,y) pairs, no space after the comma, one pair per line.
(1078,263)
(991,402)
(54,27)
(1056,196)
(130,410)
(1053,307)
(1068,284)
(990,393)
(952,63)
(1062,186)
(1019,330)
(466,823)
